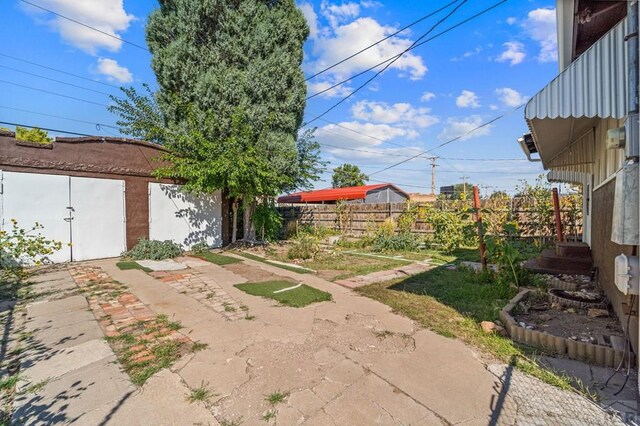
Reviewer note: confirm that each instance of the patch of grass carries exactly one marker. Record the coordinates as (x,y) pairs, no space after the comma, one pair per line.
(126,265)
(277,265)
(227,422)
(35,387)
(218,259)
(249,317)
(298,297)
(269,415)
(352,264)
(202,393)
(198,346)
(9,383)
(275,398)
(452,303)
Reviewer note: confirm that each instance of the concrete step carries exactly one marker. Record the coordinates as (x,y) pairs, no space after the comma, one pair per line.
(558,266)
(573,249)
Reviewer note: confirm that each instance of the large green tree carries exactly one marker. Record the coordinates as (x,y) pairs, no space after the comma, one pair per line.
(231,96)
(348,175)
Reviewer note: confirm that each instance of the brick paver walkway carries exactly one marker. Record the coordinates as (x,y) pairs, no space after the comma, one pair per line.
(204,288)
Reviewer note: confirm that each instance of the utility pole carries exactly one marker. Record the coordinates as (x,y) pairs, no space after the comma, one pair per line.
(464,184)
(433,175)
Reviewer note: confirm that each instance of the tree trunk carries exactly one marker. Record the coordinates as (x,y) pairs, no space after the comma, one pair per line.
(234,232)
(249,231)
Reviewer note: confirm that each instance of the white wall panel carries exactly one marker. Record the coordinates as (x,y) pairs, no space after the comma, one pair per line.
(30,198)
(99,218)
(184,218)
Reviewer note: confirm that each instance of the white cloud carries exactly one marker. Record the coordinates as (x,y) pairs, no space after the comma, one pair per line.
(427,96)
(336,92)
(461,128)
(468,99)
(108,16)
(341,40)
(312,19)
(405,113)
(493,107)
(468,54)
(540,26)
(337,134)
(511,20)
(514,53)
(510,97)
(113,71)
(336,14)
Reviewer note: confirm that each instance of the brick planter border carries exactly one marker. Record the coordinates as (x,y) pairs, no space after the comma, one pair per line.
(556,345)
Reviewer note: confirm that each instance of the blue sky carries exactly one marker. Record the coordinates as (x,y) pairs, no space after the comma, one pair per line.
(436,92)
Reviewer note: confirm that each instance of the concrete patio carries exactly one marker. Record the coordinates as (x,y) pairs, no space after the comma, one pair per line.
(349,361)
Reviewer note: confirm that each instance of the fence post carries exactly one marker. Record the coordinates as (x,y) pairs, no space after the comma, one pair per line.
(476,205)
(558,217)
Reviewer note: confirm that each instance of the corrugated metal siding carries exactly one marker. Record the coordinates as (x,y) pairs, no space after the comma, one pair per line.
(578,157)
(602,69)
(607,161)
(568,176)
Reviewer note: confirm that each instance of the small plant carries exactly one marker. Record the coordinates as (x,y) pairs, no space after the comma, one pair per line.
(267,220)
(200,248)
(202,393)
(394,243)
(227,422)
(304,247)
(269,415)
(35,387)
(9,382)
(154,250)
(35,135)
(276,397)
(249,317)
(198,346)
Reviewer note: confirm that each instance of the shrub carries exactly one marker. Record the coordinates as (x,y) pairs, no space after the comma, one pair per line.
(199,248)
(154,250)
(267,220)
(399,242)
(19,247)
(448,229)
(33,135)
(304,247)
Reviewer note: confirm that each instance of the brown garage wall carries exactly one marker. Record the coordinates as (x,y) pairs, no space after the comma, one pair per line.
(604,252)
(108,158)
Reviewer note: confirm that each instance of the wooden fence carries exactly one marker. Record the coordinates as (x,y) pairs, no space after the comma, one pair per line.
(359,218)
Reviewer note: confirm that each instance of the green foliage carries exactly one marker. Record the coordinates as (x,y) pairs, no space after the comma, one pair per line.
(125,266)
(267,220)
(4,129)
(35,135)
(200,248)
(140,115)
(348,175)
(310,166)
(394,243)
(449,229)
(409,216)
(20,247)
(540,221)
(154,250)
(304,246)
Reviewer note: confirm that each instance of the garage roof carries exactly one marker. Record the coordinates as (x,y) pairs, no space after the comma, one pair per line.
(335,194)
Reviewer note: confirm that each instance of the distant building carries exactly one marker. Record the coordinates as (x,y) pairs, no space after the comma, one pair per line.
(422,198)
(380,193)
(448,190)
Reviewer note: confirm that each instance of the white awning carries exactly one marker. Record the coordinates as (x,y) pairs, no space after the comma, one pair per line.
(593,87)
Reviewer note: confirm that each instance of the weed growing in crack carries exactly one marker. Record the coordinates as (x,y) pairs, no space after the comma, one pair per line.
(198,346)
(244,308)
(227,422)
(9,383)
(202,393)
(35,387)
(269,415)
(249,317)
(276,397)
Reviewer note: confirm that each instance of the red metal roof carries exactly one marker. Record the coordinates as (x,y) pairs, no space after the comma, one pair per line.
(334,194)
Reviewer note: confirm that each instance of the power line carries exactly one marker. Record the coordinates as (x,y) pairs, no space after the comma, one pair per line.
(455,9)
(54,80)
(85,25)
(53,93)
(60,117)
(8,123)
(486,123)
(381,40)
(411,48)
(58,70)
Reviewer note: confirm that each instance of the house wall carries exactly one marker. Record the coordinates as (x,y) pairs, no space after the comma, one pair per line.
(607,161)
(604,252)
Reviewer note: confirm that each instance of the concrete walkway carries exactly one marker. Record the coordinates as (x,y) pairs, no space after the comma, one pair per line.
(346,362)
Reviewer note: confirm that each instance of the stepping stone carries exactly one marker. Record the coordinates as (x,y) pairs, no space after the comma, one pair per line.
(162,265)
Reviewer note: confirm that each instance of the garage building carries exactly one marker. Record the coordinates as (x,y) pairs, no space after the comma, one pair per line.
(99,195)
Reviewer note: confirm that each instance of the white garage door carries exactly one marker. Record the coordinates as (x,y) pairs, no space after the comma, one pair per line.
(184,218)
(98,226)
(86,212)
(30,198)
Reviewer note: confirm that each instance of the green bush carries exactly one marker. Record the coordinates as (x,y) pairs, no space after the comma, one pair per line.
(304,247)
(154,250)
(267,220)
(393,243)
(200,248)
(448,230)
(33,135)
(19,247)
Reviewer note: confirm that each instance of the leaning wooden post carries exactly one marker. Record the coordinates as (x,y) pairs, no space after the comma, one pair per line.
(558,217)
(476,206)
